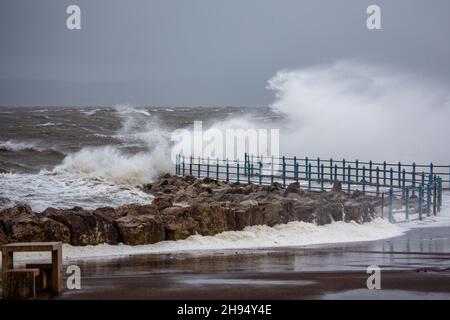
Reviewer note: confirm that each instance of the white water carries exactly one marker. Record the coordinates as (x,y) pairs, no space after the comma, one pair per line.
(96,176)
(358,111)
(284,235)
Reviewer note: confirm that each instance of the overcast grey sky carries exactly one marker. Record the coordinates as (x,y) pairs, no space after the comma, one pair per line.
(202,52)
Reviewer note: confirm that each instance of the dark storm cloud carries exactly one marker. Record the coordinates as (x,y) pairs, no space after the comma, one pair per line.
(202,52)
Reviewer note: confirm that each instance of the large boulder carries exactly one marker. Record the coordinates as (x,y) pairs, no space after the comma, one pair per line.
(55,231)
(140,229)
(212,218)
(86,228)
(21,224)
(178,223)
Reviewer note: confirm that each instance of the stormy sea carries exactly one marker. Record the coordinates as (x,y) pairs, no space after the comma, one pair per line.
(95,156)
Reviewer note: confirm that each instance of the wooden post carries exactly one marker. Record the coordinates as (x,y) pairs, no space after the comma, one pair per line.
(57,280)
(7,263)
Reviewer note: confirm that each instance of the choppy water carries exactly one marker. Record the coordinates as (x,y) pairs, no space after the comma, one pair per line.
(96,156)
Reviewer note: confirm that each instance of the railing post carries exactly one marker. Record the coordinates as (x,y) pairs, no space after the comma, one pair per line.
(321,177)
(318,169)
(306,168)
(343,170)
(413,178)
(309,176)
(384,173)
(335,172)
(228,170)
(370,172)
(349,178)
(331,169)
(176,164)
(423,178)
(391,195)
(248,175)
(378,180)
(284,171)
(399,173)
(184,166)
(207,167)
(198,168)
(237,171)
(431,169)
(391,175)
(357,171)
(217,170)
(245,163)
(403,180)
(295,169)
(271,171)
(251,165)
(407,204)
(420,204)
(190,165)
(260,172)
(434,197)
(364,178)
(428,200)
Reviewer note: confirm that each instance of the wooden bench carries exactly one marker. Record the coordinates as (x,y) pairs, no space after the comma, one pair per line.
(56,266)
(20,284)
